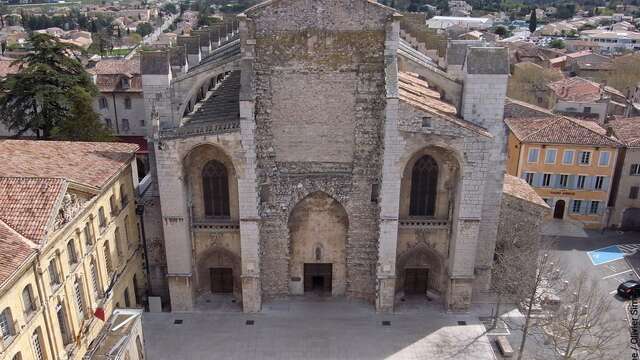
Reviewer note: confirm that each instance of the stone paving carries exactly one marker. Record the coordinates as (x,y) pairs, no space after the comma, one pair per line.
(316,328)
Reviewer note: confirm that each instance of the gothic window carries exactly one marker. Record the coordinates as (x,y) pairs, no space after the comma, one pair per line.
(424,181)
(215,188)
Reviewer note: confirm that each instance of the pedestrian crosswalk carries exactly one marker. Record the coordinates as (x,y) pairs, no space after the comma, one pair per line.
(629,249)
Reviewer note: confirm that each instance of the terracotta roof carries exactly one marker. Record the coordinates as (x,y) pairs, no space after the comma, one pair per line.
(576,89)
(578,54)
(416,92)
(27,204)
(519,188)
(560,130)
(117,66)
(113,83)
(627,130)
(14,251)
(89,164)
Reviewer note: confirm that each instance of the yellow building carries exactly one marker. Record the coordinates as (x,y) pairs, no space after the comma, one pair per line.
(69,244)
(569,162)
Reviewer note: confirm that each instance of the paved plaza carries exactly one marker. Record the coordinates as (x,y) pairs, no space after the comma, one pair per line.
(315,329)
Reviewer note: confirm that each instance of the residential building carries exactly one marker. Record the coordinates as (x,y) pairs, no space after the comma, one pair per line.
(587,64)
(467,23)
(625,198)
(612,42)
(69,244)
(584,98)
(120,103)
(569,162)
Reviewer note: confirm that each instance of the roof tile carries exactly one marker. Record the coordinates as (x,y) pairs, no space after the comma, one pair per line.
(14,251)
(560,130)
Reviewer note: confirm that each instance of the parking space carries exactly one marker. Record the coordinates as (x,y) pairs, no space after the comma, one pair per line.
(611,265)
(605,255)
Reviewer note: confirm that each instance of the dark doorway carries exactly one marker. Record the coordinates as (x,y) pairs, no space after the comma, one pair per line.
(631,219)
(221,280)
(317,278)
(415,281)
(558,212)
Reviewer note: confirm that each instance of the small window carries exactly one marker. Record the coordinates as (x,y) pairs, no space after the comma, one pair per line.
(528,177)
(107,258)
(581,181)
(546,180)
(79,296)
(635,170)
(27,300)
(593,209)
(125,124)
(426,122)
(585,158)
(113,205)
(108,123)
(533,155)
(104,104)
(587,110)
(125,83)
(564,181)
(124,198)
(599,183)
(71,253)
(117,239)
(142,123)
(577,204)
(127,103)
(88,235)
(95,280)
(550,156)
(567,159)
(633,192)
(36,342)
(604,158)
(102,219)
(6,325)
(54,275)
(375,190)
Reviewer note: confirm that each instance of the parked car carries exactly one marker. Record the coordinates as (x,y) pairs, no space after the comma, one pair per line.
(629,289)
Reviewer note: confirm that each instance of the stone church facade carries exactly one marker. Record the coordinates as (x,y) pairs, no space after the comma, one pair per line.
(315,153)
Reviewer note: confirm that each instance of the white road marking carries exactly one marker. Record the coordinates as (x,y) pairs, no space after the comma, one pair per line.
(614,275)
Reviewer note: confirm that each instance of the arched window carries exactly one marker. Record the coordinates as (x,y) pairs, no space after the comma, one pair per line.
(215,188)
(424,183)
(27,300)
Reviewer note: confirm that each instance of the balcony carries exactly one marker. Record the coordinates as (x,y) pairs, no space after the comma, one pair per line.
(429,224)
(216,225)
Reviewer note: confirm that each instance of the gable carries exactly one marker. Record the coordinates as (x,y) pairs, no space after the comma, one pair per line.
(331,15)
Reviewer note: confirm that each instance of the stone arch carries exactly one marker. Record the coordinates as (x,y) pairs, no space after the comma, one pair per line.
(448,171)
(422,257)
(193,88)
(218,258)
(194,163)
(318,221)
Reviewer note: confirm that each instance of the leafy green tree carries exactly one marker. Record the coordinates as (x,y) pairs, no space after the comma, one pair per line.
(533,20)
(43,95)
(557,44)
(502,31)
(83,125)
(144,29)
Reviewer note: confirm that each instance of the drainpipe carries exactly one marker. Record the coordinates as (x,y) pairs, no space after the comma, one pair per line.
(115,112)
(140,213)
(45,309)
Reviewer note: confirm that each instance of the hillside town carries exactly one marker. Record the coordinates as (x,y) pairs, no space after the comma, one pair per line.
(319,179)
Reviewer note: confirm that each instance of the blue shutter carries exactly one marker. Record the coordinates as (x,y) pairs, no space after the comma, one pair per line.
(555,181)
(537,179)
(601,208)
(589,183)
(605,184)
(571,184)
(584,208)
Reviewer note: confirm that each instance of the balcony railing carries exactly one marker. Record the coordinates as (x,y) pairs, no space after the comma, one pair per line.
(435,224)
(215,225)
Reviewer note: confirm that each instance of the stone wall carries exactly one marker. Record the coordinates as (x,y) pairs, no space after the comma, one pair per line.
(330,142)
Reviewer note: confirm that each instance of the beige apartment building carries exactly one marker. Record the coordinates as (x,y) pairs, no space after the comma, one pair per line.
(69,244)
(626,198)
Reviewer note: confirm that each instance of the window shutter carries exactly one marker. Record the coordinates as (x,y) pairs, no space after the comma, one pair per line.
(605,183)
(633,192)
(584,207)
(589,183)
(572,182)
(601,208)
(555,181)
(634,169)
(537,179)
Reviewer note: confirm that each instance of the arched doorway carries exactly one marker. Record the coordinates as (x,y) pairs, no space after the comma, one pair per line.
(219,273)
(420,271)
(318,228)
(558,212)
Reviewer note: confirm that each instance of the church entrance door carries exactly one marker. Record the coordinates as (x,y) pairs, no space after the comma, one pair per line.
(558,212)
(415,281)
(317,278)
(221,280)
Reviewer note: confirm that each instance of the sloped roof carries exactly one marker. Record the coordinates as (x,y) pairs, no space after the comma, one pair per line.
(416,92)
(27,204)
(519,188)
(576,89)
(86,163)
(14,251)
(117,66)
(560,130)
(113,83)
(627,130)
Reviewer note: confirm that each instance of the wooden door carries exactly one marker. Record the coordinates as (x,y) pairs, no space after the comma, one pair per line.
(221,280)
(415,281)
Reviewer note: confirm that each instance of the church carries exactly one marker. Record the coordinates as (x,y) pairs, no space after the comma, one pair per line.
(315,151)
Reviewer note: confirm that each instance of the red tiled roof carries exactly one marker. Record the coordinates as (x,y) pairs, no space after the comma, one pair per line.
(416,92)
(14,251)
(27,204)
(86,163)
(576,89)
(560,130)
(627,130)
(113,83)
(117,66)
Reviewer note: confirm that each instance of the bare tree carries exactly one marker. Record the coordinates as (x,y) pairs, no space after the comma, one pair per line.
(581,326)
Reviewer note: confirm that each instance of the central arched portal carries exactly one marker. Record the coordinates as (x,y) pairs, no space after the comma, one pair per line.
(318,228)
